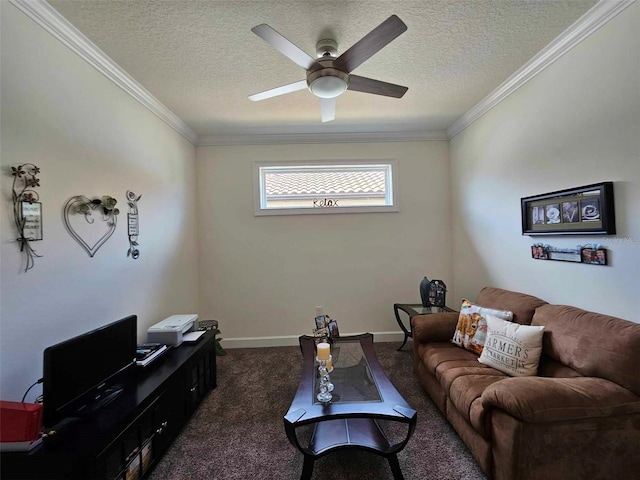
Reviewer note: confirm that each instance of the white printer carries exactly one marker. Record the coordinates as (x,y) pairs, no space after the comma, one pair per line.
(171,330)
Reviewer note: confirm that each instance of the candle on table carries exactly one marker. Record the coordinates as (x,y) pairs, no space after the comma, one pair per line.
(324,350)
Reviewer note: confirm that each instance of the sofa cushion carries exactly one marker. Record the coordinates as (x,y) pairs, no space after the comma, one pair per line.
(449,372)
(471,330)
(465,394)
(593,344)
(441,356)
(522,305)
(512,348)
(422,349)
(537,400)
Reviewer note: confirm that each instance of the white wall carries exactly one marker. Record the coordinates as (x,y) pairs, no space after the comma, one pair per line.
(89,138)
(576,123)
(263,276)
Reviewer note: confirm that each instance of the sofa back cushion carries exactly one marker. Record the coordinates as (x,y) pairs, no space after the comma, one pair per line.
(548,367)
(592,344)
(521,304)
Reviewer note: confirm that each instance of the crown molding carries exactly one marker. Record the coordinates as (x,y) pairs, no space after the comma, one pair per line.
(592,20)
(306,137)
(48,18)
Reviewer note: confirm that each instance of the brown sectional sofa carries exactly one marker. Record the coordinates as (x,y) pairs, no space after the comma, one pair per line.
(579,418)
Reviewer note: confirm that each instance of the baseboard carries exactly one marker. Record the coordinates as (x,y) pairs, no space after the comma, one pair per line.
(292,340)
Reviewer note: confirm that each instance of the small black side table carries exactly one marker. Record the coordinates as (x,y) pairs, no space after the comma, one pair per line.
(413,309)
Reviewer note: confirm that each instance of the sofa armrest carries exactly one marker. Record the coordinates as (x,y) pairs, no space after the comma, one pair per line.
(434,327)
(541,399)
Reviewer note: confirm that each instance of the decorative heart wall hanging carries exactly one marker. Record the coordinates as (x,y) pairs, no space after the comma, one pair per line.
(105,210)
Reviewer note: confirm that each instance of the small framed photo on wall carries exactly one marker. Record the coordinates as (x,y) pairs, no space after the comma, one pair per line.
(594,256)
(539,252)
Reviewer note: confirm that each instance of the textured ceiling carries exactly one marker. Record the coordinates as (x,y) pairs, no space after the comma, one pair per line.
(201,60)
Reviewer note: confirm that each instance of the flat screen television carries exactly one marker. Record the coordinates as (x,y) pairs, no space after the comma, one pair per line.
(86,372)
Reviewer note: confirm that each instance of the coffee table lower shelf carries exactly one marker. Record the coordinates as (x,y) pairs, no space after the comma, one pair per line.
(359,433)
(356,432)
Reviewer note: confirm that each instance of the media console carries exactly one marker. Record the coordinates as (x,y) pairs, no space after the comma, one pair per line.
(125,439)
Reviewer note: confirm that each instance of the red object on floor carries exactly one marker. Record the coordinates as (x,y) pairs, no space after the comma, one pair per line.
(20,422)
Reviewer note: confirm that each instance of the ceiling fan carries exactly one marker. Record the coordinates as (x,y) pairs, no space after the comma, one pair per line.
(329,76)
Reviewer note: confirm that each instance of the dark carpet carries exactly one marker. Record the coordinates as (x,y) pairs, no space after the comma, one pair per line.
(237,432)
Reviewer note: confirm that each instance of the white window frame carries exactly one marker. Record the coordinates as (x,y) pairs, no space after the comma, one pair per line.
(259,194)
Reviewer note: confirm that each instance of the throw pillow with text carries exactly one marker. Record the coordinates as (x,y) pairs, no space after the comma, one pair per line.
(512,348)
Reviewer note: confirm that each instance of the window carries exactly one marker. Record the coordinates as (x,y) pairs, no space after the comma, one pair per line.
(343,186)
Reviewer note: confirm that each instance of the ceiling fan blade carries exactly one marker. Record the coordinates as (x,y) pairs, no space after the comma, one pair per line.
(369,85)
(328,109)
(274,92)
(370,44)
(285,47)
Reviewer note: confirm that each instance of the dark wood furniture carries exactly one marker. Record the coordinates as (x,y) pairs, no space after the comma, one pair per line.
(363,399)
(413,309)
(126,438)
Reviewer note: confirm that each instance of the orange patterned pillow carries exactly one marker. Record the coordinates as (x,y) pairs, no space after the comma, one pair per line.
(471,330)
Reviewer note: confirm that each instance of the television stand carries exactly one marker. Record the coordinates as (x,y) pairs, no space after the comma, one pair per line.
(125,437)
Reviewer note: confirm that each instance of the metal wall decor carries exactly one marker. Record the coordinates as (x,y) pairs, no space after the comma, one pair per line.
(106,211)
(27,210)
(583,210)
(133,224)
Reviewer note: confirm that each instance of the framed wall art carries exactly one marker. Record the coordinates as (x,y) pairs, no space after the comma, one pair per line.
(576,211)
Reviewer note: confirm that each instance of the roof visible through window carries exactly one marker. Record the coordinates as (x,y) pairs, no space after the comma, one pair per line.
(352,185)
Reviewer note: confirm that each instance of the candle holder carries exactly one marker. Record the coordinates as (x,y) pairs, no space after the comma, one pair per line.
(326,387)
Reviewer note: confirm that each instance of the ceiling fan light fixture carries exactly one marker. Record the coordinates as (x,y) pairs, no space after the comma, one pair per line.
(329,76)
(328,87)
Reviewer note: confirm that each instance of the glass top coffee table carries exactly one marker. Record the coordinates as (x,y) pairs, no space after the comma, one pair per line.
(364,403)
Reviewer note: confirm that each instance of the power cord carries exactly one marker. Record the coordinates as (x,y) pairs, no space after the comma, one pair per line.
(39,399)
